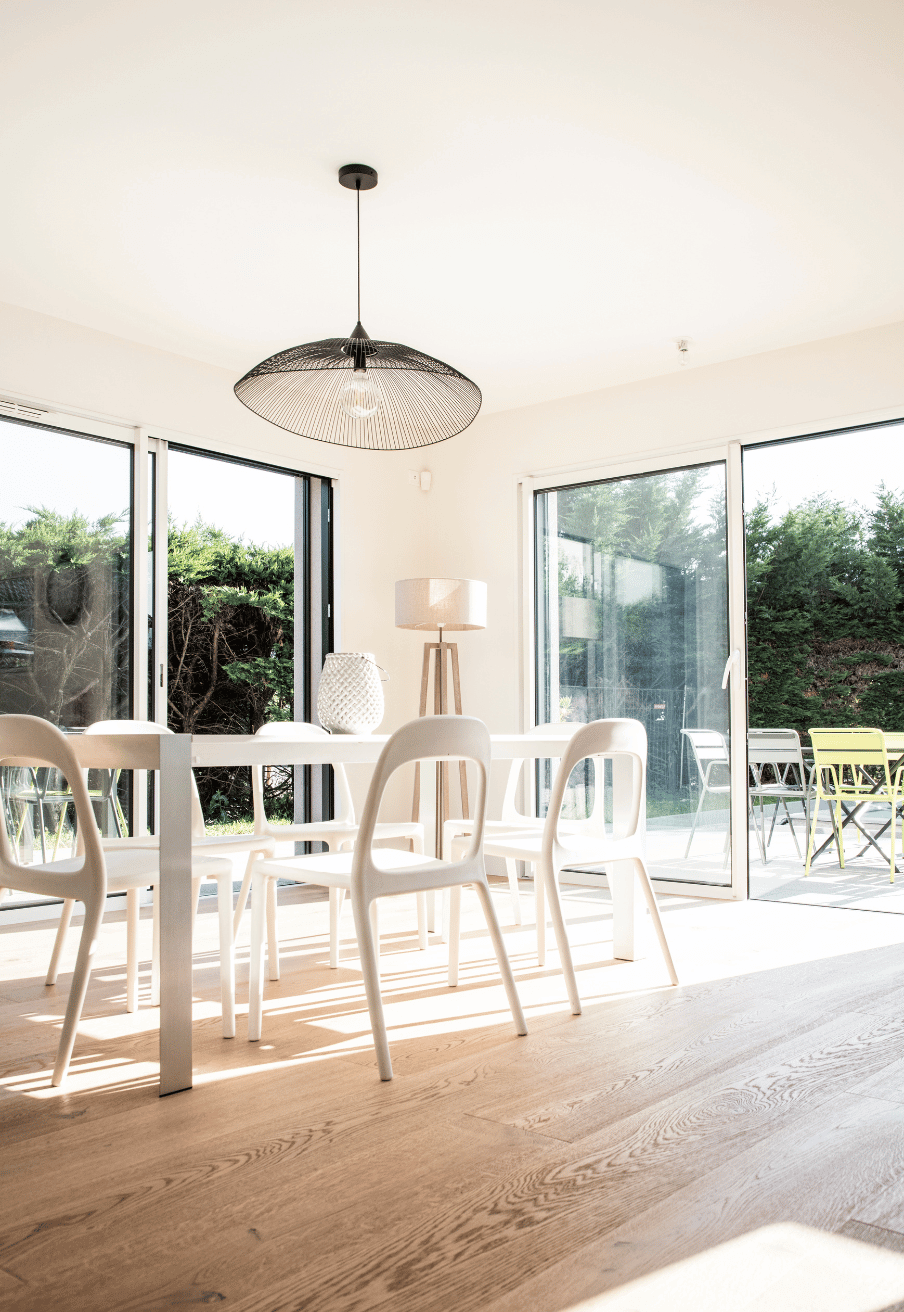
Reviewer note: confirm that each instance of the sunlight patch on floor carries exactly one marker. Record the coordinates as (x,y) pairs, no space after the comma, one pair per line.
(782,1268)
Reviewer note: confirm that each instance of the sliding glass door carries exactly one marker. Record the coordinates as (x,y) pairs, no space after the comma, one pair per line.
(139,580)
(632,619)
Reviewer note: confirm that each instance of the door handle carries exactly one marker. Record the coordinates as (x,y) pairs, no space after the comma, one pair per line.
(734,659)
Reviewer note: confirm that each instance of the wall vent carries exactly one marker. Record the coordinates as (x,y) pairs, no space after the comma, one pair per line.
(8,407)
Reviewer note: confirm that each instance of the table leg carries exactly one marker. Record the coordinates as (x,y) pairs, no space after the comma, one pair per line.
(175,893)
(625,946)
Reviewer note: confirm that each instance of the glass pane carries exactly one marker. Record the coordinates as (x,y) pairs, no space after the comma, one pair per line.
(65,614)
(65,576)
(824,521)
(633,621)
(231,583)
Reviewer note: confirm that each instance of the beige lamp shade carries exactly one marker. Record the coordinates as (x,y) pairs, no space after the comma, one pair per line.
(440,604)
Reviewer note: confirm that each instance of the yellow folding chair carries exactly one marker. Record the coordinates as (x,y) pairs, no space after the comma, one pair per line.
(851,773)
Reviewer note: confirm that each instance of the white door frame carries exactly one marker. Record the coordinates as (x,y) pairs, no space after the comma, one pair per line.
(728,454)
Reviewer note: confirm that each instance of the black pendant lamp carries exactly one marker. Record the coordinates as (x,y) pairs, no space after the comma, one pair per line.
(356,391)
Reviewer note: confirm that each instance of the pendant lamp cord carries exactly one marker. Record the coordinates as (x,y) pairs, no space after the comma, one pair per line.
(358,203)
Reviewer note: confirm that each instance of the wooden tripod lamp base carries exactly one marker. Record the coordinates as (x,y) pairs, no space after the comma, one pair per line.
(441,604)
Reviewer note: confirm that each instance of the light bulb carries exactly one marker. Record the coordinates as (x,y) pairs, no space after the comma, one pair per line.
(360,398)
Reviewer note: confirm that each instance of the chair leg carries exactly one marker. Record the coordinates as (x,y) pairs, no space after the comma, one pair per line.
(540,903)
(93,914)
(791,826)
(759,838)
(62,928)
(548,876)
(227,955)
(337,896)
(256,971)
(155,949)
(839,833)
(894,816)
(272,929)
(643,876)
(505,968)
(687,850)
(133,911)
(431,910)
(422,921)
(811,843)
(243,893)
(40,808)
(454,934)
(375,929)
(370,969)
(64,807)
(195,899)
(511,869)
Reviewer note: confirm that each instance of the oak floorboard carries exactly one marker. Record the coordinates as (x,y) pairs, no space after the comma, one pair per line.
(578,1196)
(873,1234)
(625,1170)
(291,1177)
(815,1172)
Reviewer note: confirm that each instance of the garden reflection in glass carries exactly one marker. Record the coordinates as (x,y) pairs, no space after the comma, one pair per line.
(65,576)
(633,622)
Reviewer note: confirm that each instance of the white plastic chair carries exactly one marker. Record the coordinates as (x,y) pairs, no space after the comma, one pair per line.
(585,842)
(337,834)
(369,873)
(203,846)
(778,750)
(87,877)
(710,753)
(510,818)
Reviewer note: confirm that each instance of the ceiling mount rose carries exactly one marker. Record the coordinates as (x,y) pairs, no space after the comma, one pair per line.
(358,391)
(358,177)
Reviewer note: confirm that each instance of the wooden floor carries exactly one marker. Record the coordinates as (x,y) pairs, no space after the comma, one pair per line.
(735,1143)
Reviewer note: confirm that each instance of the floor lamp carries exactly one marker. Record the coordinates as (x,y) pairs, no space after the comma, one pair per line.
(441,604)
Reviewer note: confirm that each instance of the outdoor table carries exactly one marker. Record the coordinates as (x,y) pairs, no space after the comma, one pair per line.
(174,755)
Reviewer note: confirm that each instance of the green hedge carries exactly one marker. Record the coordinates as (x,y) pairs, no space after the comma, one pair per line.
(825,608)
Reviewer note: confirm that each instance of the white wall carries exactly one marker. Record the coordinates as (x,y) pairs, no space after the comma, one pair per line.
(466,526)
(472,527)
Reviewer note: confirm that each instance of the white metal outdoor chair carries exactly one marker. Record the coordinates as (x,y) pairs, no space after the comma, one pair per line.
(510,818)
(338,834)
(585,842)
(778,774)
(88,877)
(369,873)
(710,753)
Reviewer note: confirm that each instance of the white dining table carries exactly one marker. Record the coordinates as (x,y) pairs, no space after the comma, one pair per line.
(175,755)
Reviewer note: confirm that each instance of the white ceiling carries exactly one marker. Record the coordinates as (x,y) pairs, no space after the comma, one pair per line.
(565,188)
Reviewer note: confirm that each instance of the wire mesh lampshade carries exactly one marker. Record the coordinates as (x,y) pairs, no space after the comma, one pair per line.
(355,391)
(421,400)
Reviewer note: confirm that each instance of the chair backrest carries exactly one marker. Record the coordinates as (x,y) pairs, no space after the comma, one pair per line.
(626,739)
(509,806)
(110,727)
(708,745)
(299,730)
(774,747)
(26,740)
(432,737)
(858,749)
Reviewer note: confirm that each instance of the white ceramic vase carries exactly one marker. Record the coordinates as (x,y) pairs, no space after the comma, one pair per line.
(350,698)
